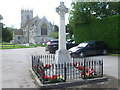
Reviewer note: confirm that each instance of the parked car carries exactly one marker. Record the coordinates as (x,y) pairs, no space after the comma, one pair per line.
(70,43)
(88,48)
(52,45)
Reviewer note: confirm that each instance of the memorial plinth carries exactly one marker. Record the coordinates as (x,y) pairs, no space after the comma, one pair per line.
(62,54)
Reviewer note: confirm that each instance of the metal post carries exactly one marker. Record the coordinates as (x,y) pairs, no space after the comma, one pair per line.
(32,61)
(65,72)
(84,68)
(102,68)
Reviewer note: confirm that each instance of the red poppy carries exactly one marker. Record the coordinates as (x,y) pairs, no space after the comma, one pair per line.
(74,64)
(45,76)
(82,73)
(35,66)
(54,77)
(39,71)
(47,66)
(80,68)
(89,72)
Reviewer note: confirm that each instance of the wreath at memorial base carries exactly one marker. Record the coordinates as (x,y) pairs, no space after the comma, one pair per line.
(47,66)
(51,79)
(40,71)
(85,72)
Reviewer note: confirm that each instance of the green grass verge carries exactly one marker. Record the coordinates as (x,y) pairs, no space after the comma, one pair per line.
(114,54)
(19,46)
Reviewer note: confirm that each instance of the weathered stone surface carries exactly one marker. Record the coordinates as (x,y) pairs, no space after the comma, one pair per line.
(62,54)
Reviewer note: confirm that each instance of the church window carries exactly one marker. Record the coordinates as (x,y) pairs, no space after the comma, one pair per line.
(18,37)
(44,29)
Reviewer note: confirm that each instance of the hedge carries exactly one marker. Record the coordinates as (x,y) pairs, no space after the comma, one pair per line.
(104,29)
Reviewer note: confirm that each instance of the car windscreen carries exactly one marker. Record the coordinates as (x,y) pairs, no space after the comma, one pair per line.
(82,45)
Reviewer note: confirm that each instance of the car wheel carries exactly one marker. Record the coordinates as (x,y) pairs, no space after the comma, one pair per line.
(82,54)
(104,52)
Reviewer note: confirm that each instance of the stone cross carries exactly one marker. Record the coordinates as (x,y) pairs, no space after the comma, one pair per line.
(62,10)
(62,55)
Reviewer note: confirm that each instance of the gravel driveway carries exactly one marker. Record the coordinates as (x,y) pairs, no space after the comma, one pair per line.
(16,64)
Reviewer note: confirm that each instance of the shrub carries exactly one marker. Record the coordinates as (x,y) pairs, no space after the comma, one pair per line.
(105,30)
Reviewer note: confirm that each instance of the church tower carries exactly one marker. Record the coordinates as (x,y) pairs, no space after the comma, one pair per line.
(26,16)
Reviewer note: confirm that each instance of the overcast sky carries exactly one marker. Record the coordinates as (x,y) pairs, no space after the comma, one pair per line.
(11,10)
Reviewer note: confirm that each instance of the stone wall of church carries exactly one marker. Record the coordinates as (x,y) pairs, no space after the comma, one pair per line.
(37,30)
(18,39)
(31,36)
(50,30)
(26,16)
(42,39)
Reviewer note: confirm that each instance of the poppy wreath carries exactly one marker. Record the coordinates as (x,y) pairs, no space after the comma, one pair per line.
(75,64)
(78,67)
(39,71)
(53,79)
(43,77)
(89,72)
(56,78)
(47,66)
(35,67)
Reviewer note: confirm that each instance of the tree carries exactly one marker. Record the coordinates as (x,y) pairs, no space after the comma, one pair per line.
(114,8)
(86,12)
(56,28)
(1,17)
(1,26)
(80,13)
(7,34)
(54,35)
(105,9)
(69,30)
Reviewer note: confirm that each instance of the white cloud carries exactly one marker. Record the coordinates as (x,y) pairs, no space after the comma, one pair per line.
(10,10)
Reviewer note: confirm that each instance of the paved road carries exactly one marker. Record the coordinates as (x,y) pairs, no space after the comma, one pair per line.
(0,69)
(110,65)
(16,64)
(15,68)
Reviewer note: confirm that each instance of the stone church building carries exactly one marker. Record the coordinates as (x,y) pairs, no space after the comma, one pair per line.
(33,29)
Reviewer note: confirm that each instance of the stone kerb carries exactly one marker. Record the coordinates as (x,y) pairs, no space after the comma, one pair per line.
(66,84)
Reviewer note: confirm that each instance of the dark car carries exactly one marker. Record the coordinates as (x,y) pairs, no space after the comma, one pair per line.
(70,43)
(52,45)
(88,48)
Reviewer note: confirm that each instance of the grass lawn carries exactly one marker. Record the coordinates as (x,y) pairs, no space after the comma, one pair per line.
(19,46)
(114,54)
